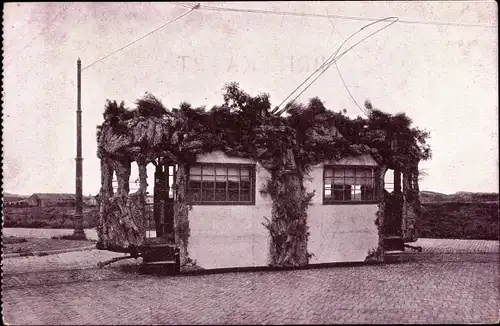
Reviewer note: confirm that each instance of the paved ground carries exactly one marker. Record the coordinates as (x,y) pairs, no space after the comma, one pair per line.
(452,281)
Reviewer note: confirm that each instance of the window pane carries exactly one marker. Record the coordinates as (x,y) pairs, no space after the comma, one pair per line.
(194,184)
(233,171)
(195,177)
(233,195)
(234,178)
(347,192)
(233,184)
(338,181)
(364,181)
(349,172)
(207,194)
(338,192)
(356,192)
(210,178)
(193,194)
(221,170)
(349,181)
(207,184)
(195,170)
(338,172)
(328,190)
(208,170)
(220,185)
(367,193)
(245,195)
(221,178)
(245,184)
(361,173)
(216,183)
(220,194)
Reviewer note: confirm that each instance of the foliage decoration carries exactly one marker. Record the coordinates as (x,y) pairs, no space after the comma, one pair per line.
(243,126)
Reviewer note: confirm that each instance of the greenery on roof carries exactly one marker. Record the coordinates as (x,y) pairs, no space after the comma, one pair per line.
(243,126)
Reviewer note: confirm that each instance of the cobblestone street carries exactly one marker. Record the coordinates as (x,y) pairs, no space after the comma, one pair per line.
(450,282)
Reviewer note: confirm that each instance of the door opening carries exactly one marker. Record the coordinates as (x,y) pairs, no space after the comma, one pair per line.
(164,199)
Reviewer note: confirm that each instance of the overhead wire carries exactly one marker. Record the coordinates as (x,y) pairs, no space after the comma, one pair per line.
(348,91)
(333,58)
(144,36)
(288,13)
(340,74)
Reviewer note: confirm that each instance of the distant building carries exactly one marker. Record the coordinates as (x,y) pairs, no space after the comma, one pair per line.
(51,199)
(90,200)
(18,203)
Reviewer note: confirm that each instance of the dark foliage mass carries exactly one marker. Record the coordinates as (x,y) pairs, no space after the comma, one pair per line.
(242,125)
(459,220)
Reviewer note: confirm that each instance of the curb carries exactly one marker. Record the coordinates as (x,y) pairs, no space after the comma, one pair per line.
(46,253)
(254,269)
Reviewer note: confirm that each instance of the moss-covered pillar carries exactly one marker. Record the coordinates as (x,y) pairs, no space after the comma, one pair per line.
(288,226)
(417,204)
(409,215)
(105,194)
(379,254)
(181,211)
(122,216)
(143,178)
(142,193)
(397,181)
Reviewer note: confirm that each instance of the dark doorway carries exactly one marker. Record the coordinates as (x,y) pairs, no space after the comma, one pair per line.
(164,198)
(394,204)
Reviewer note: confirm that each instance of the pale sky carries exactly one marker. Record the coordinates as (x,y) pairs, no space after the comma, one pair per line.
(444,77)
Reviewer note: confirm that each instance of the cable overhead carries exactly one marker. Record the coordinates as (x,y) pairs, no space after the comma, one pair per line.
(340,74)
(348,91)
(142,37)
(187,6)
(288,13)
(334,58)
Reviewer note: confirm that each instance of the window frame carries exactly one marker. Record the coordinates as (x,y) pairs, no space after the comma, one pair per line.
(330,201)
(252,177)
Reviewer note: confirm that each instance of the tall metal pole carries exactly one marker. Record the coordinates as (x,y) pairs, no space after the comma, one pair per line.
(78,232)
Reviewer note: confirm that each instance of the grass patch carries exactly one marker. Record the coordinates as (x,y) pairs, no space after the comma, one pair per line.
(459,221)
(66,237)
(13,240)
(27,246)
(58,217)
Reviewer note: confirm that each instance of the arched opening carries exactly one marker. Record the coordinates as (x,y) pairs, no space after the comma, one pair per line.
(392,181)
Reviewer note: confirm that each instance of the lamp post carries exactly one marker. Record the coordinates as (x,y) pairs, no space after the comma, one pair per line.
(79,233)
